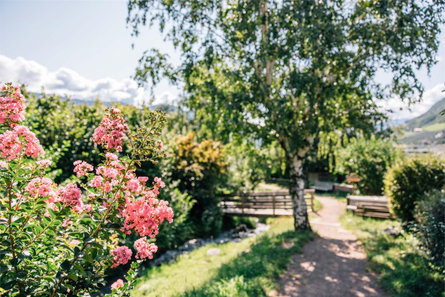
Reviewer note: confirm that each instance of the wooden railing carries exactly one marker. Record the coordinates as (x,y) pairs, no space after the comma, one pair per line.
(263,202)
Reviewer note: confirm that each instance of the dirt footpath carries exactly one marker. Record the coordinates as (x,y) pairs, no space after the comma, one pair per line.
(332,265)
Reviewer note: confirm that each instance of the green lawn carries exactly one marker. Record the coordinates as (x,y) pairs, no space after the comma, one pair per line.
(246,268)
(403,270)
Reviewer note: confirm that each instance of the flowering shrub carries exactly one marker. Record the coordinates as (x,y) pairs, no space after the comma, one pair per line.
(59,240)
(200,169)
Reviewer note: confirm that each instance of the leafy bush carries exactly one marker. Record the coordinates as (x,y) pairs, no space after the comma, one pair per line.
(369,159)
(65,129)
(61,240)
(174,234)
(408,181)
(430,226)
(199,169)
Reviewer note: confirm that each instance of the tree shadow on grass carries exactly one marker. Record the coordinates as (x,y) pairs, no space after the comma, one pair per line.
(253,272)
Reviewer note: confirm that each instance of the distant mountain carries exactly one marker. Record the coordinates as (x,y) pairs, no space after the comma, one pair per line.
(167,108)
(426,129)
(432,116)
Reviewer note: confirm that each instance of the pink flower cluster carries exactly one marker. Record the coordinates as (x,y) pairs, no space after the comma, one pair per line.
(121,256)
(111,130)
(159,183)
(106,175)
(12,105)
(12,142)
(117,284)
(44,163)
(43,187)
(71,196)
(144,249)
(144,216)
(81,168)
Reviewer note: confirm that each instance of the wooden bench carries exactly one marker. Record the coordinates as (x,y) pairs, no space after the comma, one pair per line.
(369,206)
(262,203)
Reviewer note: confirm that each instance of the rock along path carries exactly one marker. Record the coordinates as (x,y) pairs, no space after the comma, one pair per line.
(332,265)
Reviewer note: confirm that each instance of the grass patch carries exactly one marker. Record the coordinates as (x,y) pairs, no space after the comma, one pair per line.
(435,127)
(246,268)
(402,268)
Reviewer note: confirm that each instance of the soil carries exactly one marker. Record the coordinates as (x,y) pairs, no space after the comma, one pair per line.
(332,265)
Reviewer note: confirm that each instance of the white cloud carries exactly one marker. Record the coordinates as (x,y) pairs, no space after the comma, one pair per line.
(67,82)
(401,110)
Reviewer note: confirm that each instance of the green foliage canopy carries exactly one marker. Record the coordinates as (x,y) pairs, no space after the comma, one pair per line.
(290,71)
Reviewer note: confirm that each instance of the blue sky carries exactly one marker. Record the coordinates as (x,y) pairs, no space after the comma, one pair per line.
(83,49)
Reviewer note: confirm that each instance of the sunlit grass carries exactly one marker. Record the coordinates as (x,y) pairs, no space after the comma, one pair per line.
(403,269)
(435,127)
(246,268)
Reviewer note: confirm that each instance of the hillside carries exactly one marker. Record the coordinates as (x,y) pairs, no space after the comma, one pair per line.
(432,116)
(426,129)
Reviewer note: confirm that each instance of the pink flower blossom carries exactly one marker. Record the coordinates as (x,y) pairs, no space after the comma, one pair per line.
(13,142)
(117,284)
(159,182)
(87,208)
(133,185)
(71,196)
(107,187)
(41,186)
(67,223)
(3,164)
(97,181)
(44,163)
(144,216)
(111,130)
(144,249)
(111,156)
(121,256)
(81,168)
(108,172)
(143,179)
(12,105)
(74,242)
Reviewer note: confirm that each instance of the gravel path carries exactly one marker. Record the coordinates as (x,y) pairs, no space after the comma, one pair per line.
(332,265)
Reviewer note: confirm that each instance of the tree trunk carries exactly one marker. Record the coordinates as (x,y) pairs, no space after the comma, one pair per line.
(296,189)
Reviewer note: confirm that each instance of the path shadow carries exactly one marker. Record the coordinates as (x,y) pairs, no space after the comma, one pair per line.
(335,269)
